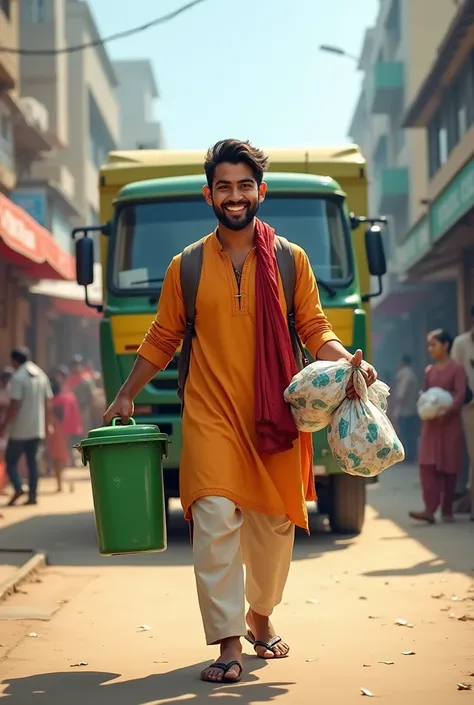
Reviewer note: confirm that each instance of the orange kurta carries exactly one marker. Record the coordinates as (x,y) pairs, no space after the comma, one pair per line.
(219,455)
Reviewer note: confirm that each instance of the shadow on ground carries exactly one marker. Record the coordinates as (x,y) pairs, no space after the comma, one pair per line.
(452,545)
(180,685)
(70,540)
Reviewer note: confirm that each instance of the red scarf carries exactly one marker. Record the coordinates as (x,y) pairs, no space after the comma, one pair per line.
(275,364)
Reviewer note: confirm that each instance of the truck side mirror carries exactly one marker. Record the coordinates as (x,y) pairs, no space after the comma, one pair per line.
(376,261)
(85,261)
(375,252)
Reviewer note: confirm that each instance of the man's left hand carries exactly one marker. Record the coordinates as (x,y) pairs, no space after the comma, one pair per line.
(368,371)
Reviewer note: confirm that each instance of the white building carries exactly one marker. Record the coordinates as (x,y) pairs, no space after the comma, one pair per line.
(395,58)
(137,92)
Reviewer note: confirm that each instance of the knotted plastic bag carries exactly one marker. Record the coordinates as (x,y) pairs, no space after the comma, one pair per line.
(360,435)
(433,403)
(320,388)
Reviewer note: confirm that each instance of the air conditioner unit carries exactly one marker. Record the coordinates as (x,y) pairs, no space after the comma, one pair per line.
(35,113)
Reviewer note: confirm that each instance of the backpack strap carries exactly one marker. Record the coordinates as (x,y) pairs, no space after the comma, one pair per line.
(286,265)
(190,275)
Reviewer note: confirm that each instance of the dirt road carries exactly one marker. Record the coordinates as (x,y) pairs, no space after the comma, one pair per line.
(134,622)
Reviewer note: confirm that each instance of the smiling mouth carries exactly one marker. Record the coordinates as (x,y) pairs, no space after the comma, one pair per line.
(236,209)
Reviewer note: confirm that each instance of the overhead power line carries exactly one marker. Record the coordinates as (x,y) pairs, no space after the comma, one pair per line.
(98,42)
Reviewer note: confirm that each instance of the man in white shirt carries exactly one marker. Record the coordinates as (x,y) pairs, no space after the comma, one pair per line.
(463,352)
(405,412)
(27,420)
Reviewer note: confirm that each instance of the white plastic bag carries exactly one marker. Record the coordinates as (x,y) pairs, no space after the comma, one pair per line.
(320,388)
(362,439)
(433,403)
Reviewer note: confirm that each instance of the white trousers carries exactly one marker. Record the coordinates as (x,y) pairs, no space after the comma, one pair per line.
(225,538)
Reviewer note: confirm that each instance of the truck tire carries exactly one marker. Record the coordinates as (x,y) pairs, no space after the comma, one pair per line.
(347,506)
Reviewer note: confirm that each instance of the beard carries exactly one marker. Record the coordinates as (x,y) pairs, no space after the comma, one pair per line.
(237,221)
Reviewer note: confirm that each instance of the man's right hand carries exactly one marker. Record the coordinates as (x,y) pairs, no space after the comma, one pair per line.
(122,407)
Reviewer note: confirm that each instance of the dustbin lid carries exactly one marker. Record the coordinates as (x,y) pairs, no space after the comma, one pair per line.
(124,433)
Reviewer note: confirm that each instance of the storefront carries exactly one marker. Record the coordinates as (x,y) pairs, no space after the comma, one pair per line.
(440,246)
(74,325)
(28,253)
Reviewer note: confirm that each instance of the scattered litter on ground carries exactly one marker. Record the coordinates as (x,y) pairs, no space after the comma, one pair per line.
(464,686)
(366,692)
(312,602)
(362,597)
(160,661)
(408,653)
(438,595)
(33,635)
(387,663)
(403,623)
(311,660)
(144,628)
(79,663)
(366,665)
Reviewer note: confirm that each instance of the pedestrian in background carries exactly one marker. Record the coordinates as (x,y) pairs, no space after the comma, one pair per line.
(405,412)
(5,377)
(27,420)
(442,441)
(463,353)
(58,441)
(81,382)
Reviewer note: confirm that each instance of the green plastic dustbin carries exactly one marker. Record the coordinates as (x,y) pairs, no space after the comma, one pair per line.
(126,467)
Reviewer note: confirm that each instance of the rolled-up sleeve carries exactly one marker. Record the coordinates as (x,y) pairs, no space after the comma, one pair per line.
(167,330)
(312,325)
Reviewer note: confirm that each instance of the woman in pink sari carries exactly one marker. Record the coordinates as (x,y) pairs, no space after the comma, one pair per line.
(442,440)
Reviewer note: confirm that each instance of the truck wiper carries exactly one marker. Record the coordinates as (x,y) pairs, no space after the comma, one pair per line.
(330,291)
(155,280)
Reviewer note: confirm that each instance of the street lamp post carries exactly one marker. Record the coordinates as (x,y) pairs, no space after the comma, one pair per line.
(330,49)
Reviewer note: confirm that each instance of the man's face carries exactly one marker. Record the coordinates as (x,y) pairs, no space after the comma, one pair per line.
(235,196)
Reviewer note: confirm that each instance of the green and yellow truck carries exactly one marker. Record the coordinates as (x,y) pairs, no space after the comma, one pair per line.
(151,207)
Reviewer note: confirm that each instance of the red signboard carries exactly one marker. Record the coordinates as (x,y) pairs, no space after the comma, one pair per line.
(27,244)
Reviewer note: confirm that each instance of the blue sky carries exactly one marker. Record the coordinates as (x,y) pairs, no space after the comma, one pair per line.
(248,69)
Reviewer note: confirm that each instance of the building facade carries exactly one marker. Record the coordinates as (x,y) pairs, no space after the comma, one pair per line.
(440,245)
(395,58)
(137,92)
(74,97)
(28,251)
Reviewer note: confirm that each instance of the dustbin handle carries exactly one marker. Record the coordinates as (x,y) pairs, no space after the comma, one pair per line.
(117,421)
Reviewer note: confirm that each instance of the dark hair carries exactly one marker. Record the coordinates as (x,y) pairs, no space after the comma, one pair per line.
(406,359)
(235,152)
(55,386)
(472,311)
(20,355)
(61,370)
(443,336)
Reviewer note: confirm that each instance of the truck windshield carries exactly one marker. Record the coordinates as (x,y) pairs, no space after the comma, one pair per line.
(150,234)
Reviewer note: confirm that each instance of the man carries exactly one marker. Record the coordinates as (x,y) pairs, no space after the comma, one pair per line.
(245,471)
(28,417)
(463,352)
(406,397)
(81,382)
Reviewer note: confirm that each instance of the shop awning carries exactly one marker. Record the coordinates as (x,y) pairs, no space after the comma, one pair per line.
(68,297)
(31,247)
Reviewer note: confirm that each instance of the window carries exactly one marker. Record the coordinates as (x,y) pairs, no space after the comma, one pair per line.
(150,234)
(34,11)
(6,139)
(393,29)
(440,139)
(100,139)
(5,7)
